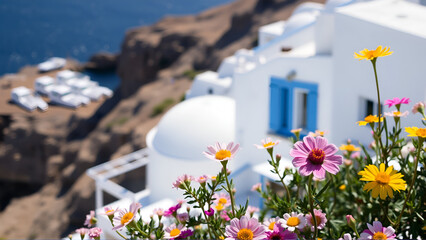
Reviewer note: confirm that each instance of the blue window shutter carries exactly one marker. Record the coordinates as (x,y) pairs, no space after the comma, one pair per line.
(288,103)
(275,111)
(312,109)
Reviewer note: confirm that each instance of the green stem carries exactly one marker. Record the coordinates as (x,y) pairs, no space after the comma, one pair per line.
(379,112)
(202,209)
(275,165)
(229,186)
(416,161)
(120,235)
(140,230)
(311,202)
(357,234)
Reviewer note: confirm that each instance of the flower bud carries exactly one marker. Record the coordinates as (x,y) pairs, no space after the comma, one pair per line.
(351,222)
(347,162)
(278,157)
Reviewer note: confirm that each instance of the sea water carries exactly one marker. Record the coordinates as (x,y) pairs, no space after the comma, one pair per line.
(31,31)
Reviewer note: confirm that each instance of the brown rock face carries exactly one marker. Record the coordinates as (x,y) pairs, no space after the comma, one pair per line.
(102,62)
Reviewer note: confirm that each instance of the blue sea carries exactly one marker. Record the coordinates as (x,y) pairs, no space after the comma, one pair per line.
(33,30)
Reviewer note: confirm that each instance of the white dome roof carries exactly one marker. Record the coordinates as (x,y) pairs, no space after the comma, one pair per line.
(308,7)
(299,20)
(188,128)
(330,5)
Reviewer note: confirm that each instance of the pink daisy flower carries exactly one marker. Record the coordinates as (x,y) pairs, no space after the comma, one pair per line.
(396,114)
(183,179)
(209,212)
(396,101)
(319,217)
(377,231)
(82,232)
(224,215)
(202,179)
(267,144)
(222,199)
(95,233)
(315,155)
(124,217)
(251,210)
(90,219)
(220,153)
(418,107)
(245,228)
(270,223)
(280,233)
(172,210)
(293,221)
(173,231)
(256,187)
(109,211)
(183,217)
(346,236)
(158,211)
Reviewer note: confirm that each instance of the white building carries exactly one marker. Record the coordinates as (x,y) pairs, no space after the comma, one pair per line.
(302,75)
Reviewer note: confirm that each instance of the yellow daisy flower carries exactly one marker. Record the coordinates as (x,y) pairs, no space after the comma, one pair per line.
(416,132)
(373,54)
(349,148)
(369,119)
(383,181)
(297,130)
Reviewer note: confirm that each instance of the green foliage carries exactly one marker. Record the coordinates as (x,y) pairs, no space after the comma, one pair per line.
(117,122)
(160,108)
(191,73)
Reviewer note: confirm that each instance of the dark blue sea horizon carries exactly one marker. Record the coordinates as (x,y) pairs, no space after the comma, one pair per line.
(31,31)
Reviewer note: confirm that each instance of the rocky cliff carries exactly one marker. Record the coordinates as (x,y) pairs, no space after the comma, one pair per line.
(43,158)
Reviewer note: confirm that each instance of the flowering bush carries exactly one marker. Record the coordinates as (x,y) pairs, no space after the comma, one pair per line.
(329,194)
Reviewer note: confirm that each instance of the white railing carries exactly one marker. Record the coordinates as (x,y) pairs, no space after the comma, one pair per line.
(103,172)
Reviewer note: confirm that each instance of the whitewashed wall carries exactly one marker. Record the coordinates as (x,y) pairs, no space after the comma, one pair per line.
(400,75)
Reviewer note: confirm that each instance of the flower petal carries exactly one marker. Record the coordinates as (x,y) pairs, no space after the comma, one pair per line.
(319,173)
(298,161)
(310,142)
(330,167)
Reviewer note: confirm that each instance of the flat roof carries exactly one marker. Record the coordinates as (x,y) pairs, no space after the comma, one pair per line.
(396,14)
(276,28)
(61,89)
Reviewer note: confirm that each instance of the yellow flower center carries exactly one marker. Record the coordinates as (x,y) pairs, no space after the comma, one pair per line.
(245,234)
(219,207)
(127,217)
(371,119)
(222,200)
(222,154)
(293,221)
(175,232)
(316,156)
(342,187)
(271,226)
(382,178)
(421,132)
(351,148)
(298,130)
(109,211)
(380,235)
(213,178)
(269,144)
(370,54)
